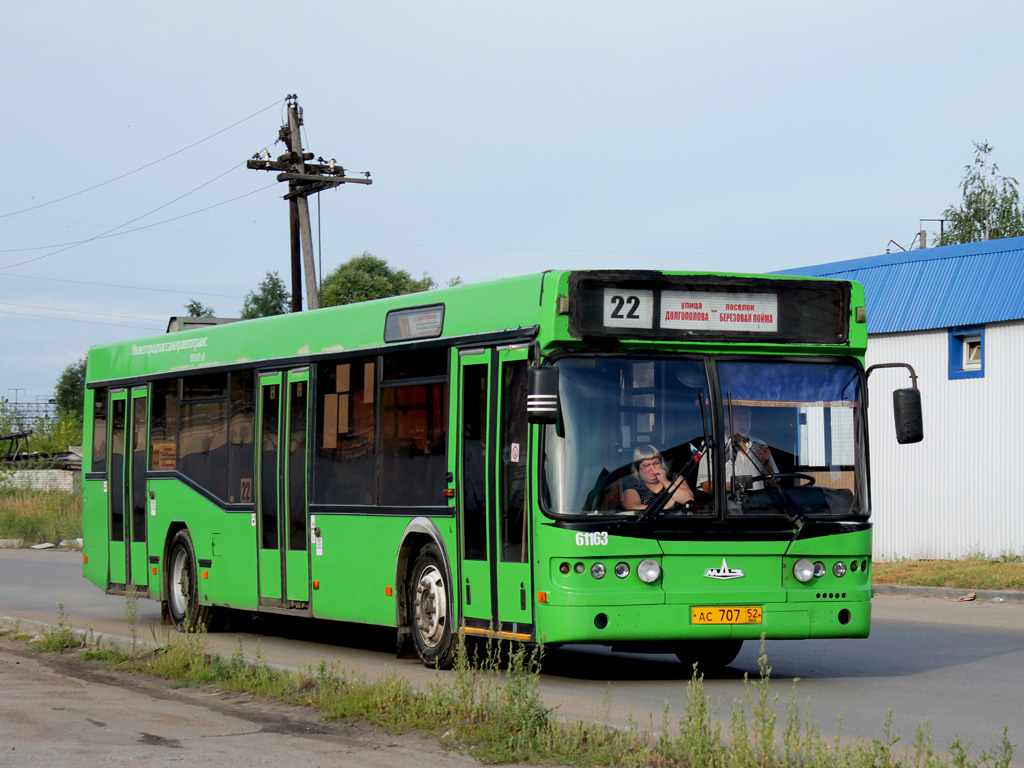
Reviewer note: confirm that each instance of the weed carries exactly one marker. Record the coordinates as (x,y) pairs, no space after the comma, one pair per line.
(59,638)
(131,612)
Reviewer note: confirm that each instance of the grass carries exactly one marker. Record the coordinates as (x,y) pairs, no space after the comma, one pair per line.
(1005,572)
(40,516)
(490,707)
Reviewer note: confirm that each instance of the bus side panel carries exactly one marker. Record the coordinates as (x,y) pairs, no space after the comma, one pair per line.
(226,539)
(357,566)
(95,552)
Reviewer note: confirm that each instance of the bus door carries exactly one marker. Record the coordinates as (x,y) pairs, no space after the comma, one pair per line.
(494,583)
(126,491)
(281,489)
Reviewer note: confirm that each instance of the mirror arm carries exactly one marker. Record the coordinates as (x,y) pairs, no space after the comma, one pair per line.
(908,366)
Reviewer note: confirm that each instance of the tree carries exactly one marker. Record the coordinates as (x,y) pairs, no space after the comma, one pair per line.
(270,298)
(69,391)
(367,277)
(195,308)
(991,207)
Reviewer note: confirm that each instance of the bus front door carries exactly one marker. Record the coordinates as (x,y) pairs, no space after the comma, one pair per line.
(126,489)
(495,587)
(281,490)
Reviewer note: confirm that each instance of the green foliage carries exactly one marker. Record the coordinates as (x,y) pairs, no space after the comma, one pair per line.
(48,435)
(195,308)
(270,298)
(40,516)
(55,435)
(367,277)
(991,207)
(69,391)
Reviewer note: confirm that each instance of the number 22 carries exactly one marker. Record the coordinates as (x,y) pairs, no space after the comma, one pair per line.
(620,301)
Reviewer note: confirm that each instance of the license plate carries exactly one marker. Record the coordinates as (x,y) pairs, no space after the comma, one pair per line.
(725,614)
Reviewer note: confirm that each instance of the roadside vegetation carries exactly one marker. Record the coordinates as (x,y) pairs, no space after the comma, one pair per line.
(490,707)
(39,516)
(979,572)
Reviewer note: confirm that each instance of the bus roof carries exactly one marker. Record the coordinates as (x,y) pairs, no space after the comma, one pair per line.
(519,308)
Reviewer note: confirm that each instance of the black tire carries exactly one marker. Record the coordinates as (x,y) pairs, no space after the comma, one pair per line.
(708,655)
(430,608)
(181,587)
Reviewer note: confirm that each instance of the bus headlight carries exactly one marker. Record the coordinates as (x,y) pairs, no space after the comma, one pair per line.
(803,570)
(839,569)
(648,571)
(622,570)
(597,570)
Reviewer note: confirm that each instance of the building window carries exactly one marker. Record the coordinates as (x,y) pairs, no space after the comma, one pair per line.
(967,353)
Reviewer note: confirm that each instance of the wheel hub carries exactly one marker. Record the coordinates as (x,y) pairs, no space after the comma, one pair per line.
(431,606)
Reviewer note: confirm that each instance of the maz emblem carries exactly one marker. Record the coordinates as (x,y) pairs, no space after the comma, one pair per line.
(725,572)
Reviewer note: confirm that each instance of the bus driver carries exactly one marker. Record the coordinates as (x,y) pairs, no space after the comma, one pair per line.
(744,455)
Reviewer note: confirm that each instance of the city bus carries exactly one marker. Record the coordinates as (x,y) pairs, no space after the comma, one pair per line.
(662,462)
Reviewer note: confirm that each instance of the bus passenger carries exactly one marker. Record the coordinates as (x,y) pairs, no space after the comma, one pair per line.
(744,455)
(648,479)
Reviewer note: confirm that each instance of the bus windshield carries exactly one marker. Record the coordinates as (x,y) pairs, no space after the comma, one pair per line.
(780,439)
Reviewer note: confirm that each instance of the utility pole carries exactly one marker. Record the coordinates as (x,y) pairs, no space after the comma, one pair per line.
(304,179)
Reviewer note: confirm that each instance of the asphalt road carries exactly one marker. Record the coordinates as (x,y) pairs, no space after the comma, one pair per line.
(958,664)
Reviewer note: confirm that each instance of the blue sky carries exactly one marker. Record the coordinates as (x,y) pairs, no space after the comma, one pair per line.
(503,139)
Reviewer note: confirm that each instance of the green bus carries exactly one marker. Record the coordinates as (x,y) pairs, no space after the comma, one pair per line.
(653,461)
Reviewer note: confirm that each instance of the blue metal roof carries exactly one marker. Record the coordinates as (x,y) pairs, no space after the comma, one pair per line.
(956,285)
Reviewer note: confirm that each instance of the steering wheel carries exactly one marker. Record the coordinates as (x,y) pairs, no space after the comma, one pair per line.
(778,475)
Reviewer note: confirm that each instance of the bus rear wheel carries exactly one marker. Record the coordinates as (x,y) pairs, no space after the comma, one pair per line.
(431,608)
(182,587)
(708,655)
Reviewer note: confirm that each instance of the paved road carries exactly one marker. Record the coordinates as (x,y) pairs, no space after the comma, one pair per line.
(959,664)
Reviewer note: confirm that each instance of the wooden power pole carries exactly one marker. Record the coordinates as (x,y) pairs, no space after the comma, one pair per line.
(304,179)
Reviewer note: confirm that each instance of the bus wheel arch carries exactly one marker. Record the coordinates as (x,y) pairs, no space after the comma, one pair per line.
(181,583)
(426,616)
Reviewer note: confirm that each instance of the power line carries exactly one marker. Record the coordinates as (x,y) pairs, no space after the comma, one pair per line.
(144,167)
(118,285)
(72,320)
(81,312)
(109,233)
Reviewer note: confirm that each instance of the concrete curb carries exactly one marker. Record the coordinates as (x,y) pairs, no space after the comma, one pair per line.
(951,593)
(87,636)
(101,640)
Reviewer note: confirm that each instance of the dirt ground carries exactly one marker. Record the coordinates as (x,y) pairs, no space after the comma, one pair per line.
(60,708)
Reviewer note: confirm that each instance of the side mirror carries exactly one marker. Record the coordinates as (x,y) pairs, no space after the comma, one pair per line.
(906,405)
(542,399)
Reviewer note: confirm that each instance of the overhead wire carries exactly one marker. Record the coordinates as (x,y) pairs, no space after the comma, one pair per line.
(73,320)
(111,232)
(143,167)
(119,285)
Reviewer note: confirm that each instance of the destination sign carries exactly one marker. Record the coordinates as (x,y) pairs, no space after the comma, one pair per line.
(650,305)
(690,310)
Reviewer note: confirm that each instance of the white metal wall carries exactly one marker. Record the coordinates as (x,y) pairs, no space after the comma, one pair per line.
(959,492)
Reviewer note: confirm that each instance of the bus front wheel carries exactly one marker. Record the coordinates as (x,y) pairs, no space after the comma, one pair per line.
(708,655)
(182,586)
(431,609)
